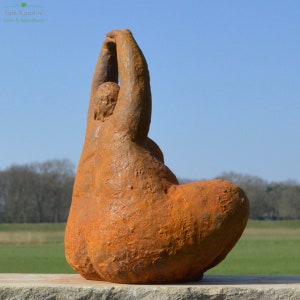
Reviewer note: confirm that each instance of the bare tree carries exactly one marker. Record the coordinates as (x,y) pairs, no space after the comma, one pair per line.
(39,192)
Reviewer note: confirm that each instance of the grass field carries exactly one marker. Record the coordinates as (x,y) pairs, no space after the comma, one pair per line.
(32,248)
(265,248)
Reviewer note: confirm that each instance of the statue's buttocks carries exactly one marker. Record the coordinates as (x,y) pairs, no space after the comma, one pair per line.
(130,221)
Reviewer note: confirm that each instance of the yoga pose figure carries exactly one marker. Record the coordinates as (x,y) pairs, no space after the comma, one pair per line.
(130,221)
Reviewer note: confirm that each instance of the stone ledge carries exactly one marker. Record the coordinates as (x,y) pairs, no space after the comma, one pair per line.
(62,286)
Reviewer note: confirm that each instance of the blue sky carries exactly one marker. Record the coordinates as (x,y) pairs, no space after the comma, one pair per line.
(224,78)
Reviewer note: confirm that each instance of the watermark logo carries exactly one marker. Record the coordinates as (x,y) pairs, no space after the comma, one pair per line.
(23,13)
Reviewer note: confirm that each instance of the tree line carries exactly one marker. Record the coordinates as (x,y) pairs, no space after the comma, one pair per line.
(36,192)
(42,192)
(274,200)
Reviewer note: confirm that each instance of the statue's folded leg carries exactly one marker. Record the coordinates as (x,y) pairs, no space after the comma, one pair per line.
(219,210)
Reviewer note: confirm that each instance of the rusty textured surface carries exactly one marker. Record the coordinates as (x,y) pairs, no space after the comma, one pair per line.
(130,221)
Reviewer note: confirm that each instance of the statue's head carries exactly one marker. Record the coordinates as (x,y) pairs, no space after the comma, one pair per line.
(105,100)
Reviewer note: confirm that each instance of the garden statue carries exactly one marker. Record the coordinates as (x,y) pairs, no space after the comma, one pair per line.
(130,221)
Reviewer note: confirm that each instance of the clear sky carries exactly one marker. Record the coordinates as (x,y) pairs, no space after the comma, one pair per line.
(224,78)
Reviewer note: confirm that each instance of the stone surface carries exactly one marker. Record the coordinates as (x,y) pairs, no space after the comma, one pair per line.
(57,286)
(130,221)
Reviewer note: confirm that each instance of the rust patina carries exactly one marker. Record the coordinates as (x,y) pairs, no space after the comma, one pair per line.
(130,221)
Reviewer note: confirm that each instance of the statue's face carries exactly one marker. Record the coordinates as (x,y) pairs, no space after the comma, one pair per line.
(105,100)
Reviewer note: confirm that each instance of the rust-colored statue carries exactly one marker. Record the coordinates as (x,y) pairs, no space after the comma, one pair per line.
(130,221)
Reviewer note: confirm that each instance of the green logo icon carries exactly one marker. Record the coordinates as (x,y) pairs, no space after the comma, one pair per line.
(24,4)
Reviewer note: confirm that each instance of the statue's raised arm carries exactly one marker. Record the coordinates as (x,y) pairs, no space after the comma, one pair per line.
(106,67)
(106,70)
(132,113)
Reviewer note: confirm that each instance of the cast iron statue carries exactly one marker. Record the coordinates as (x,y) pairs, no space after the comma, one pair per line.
(130,221)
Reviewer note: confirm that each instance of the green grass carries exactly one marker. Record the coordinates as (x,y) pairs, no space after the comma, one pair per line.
(266,247)
(32,248)
(40,258)
(262,255)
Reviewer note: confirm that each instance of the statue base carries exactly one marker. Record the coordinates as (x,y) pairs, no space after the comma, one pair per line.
(69,286)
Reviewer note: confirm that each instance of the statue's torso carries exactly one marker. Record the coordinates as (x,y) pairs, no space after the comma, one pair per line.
(125,168)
